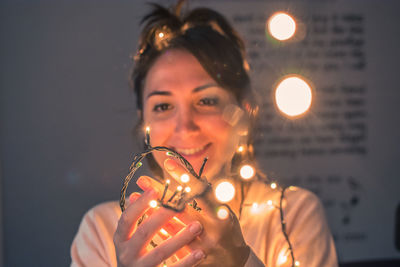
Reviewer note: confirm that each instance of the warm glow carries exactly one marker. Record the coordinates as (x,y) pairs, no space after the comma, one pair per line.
(269,202)
(282,258)
(179,188)
(240,149)
(153,203)
(281,26)
(162,231)
(247,172)
(222,213)
(147,129)
(185,178)
(225,191)
(187,189)
(293,96)
(254,208)
(273,185)
(167,181)
(297,263)
(161,35)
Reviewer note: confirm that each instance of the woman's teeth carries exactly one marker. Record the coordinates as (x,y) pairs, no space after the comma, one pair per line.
(189,151)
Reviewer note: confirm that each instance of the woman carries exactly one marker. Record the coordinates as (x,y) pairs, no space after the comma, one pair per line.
(193,93)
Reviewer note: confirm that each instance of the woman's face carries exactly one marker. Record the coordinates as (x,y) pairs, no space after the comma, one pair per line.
(183,106)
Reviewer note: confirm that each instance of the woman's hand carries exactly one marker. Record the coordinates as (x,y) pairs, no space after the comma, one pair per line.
(131,240)
(221,240)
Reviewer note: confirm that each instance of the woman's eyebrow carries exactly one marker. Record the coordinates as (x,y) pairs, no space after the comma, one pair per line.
(159,93)
(202,87)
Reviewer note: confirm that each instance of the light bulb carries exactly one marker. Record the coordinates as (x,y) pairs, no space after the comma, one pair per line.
(273,185)
(281,26)
(293,96)
(224,191)
(185,178)
(153,204)
(222,213)
(247,172)
(187,189)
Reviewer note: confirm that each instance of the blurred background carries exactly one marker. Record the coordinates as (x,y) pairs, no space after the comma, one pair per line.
(67,115)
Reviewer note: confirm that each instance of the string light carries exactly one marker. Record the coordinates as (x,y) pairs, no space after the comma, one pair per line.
(224,191)
(153,204)
(222,213)
(281,26)
(273,185)
(247,172)
(185,178)
(293,96)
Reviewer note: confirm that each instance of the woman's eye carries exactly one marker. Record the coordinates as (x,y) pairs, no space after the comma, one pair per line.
(209,101)
(161,107)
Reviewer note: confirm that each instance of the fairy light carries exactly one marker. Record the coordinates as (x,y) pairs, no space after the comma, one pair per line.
(273,185)
(162,231)
(222,213)
(153,204)
(293,96)
(224,191)
(185,178)
(247,172)
(161,35)
(281,26)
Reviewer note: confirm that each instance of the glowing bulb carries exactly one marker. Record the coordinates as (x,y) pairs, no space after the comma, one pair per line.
(273,185)
(293,96)
(179,188)
(247,172)
(222,213)
(163,231)
(254,208)
(161,35)
(297,263)
(240,149)
(153,204)
(282,258)
(187,189)
(147,129)
(185,178)
(269,202)
(281,26)
(168,181)
(225,191)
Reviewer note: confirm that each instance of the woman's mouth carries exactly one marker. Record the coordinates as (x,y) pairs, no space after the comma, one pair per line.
(192,152)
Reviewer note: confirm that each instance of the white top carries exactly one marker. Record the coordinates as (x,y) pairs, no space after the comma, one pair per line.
(306,227)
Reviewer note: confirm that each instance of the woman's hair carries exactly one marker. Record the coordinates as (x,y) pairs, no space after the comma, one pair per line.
(205,34)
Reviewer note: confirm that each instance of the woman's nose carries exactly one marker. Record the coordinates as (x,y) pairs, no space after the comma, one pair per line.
(186,122)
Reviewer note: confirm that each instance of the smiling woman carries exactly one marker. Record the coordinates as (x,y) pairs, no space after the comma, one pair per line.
(193,96)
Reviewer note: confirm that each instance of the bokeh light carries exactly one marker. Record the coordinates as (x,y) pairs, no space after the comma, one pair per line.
(281,26)
(293,96)
(247,172)
(185,178)
(153,204)
(224,191)
(222,213)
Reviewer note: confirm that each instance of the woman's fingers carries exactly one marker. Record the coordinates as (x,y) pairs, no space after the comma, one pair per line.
(190,260)
(170,246)
(127,222)
(150,226)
